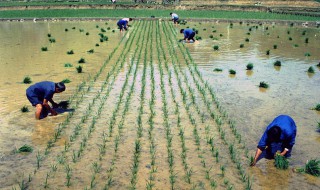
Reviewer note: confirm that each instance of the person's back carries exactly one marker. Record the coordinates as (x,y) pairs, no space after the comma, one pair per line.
(187,32)
(43,90)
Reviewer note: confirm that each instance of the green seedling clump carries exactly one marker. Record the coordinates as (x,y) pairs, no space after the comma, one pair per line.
(66,80)
(247,40)
(217,70)
(281,162)
(44,49)
(241,45)
(27,80)
(91,51)
(70,52)
(249,66)
(49,35)
(79,69)
(52,40)
(317,107)
(318,65)
(312,167)
(275,46)
(216,47)
(25,148)
(198,38)
(268,52)
(82,60)
(97,45)
(307,54)
(263,85)
(211,36)
(277,63)
(24,109)
(232,72)
(311,70)
(68,65)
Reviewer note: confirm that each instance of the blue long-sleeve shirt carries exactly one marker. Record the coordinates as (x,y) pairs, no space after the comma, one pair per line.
(288,132)
(187,32)
(42,90)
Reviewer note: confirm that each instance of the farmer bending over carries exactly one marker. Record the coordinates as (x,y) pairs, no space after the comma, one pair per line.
(280,136)
(41,93)
(122,24)
(188,34)
(174,18)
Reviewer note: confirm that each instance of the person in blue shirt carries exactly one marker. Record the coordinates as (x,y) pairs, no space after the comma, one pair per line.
(280,136)
(41,93)
(188,34)
(122,24)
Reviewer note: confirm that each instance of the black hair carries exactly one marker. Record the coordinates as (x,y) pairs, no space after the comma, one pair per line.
(60,86)
(274,134)
(130,19)
(170,13)
(182,30)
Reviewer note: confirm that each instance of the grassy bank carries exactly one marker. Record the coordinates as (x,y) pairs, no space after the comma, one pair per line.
(99,13)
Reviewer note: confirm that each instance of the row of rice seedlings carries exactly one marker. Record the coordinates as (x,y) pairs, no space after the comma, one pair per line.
(192,120)
(61,158)
(233,156)
(137,150)
(152,147)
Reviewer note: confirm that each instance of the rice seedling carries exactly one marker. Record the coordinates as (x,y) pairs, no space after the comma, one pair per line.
(46,185)
(54,167)
(68,65)
(79,69)
(306,40)
(241,46)
(295,45)
(277,63)
(217,70)
(249,66)
(25,148)
(318,65)
(44,49)
(70,52)
(247,40)
(24,109)
(215,47)
(66,80)
(49,35)
(317,107)
(39,159)
(290,38)
(307,54)
(97,45)
(281,162)
(232,72)
(52,40)
(198,38)
(82,60)
(275,46)
(311,70)
(27,80)
(91,51)
(268,52)
(263,85)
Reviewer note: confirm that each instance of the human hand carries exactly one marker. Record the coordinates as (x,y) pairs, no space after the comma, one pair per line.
(53,113)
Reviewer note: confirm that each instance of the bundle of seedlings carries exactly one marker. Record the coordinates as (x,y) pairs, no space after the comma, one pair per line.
(63,104)
(317,107)
(263,85)
(24,109)
(27,80)
(311,70)
(312,167)
(25,148)
(281,162)
(277,63)
(249,66)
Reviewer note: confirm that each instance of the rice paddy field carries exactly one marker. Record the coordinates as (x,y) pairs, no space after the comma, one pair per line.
(150,112)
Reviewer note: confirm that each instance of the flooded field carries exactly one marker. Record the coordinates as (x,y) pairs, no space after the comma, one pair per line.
(149,112)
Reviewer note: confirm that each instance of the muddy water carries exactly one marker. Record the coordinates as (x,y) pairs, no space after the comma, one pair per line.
(292,91)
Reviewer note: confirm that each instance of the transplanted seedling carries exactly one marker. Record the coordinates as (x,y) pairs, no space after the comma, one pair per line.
(312,167)
(277,63)
(215,47)
(27,80)
(70,52)
(249,66)
(232,72)
(311,70)
(263,85)
(198,38)
(79,69)
(217,70)
(66,80)
(25,148)
(91,51)
(241,45)
(307,54)
(81,60)
(63,104)
(44,49)
(281,162)
(317,107)
(24,109)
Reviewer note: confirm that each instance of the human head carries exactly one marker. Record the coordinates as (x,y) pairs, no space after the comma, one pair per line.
(182,30)
(170,13)
(274,134)
(60,87)
(130,19)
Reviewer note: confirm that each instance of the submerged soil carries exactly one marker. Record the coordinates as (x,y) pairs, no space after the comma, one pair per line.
(149,111)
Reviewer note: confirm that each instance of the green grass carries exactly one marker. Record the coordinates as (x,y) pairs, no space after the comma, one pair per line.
(27,80)
(84,13)
(25,148)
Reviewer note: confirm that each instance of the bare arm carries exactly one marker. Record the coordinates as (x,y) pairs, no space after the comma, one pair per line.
(45,104)
(258,153)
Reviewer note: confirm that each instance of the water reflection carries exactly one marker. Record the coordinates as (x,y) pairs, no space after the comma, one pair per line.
(249,73)
(277,68)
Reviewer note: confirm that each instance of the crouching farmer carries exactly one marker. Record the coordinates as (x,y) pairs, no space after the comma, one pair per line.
(280,136)
(40,94)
